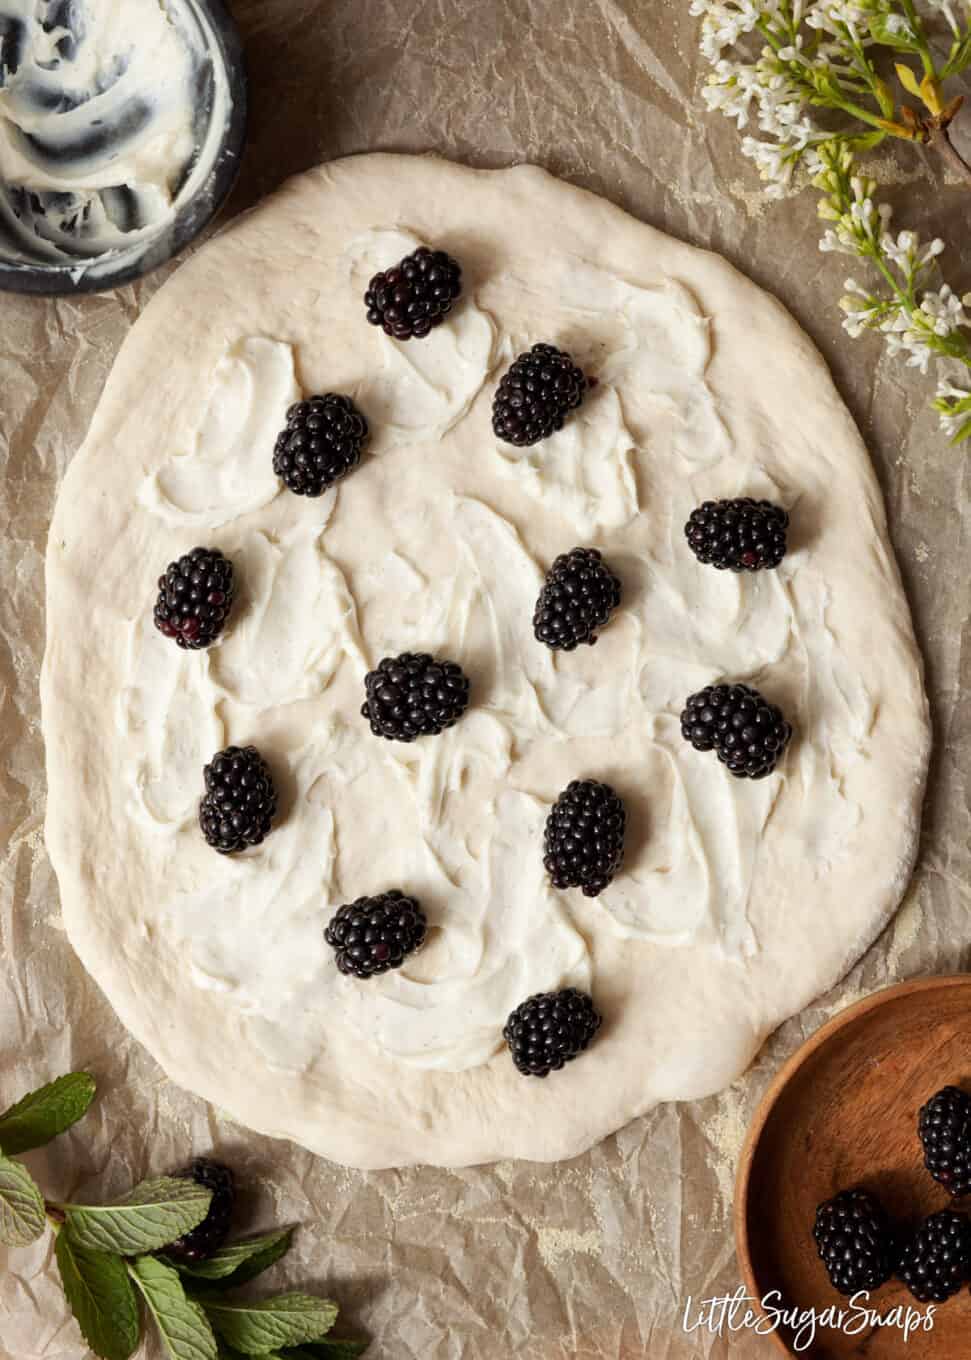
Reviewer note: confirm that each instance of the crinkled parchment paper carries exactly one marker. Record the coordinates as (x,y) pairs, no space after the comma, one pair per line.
(595,1258)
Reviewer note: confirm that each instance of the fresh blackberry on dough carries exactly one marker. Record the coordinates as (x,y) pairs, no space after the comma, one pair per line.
(375,934)
(194,598)
(748,734)
(414,695)
(240,802)
(578,597)
(416,295)
(944,1125)
(854,1241)
(536,394)
(584,839)
(549,1030)
(742,534)
(321,443)
(207,1237)
(936,1261)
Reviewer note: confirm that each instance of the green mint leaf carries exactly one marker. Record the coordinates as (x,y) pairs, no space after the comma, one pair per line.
(101,1297)
(259,1328)
(22,1216)
(238,1262)
(154,1213)
(225,1352)
(182,1324)
(45,1113)
(315,1350)
(327,1349)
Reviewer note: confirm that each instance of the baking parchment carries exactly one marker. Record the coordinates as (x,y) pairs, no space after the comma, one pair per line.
(597,1258)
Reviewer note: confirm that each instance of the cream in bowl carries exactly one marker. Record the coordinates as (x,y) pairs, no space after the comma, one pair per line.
(121,125)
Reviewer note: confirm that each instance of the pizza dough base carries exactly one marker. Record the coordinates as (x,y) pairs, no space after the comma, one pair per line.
(683,1016)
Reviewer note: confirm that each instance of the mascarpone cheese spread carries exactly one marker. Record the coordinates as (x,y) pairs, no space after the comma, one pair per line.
(325,591)
(111,116)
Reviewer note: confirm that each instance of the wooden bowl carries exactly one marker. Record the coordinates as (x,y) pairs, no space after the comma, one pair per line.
(843,1112)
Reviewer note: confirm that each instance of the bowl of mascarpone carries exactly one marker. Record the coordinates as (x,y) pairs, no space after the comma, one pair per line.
(122,124)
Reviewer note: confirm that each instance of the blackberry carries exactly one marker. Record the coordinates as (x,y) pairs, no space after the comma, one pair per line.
(944,1125)
(584,839)
(748,734)
(854,1241)
(240,802)
(207,1237)
(321,443)
(536,394)
(550,1029)
(742,534)
(194,598)
(375,934)
(416,295)
(578,597)
(936,1261)
(414,695)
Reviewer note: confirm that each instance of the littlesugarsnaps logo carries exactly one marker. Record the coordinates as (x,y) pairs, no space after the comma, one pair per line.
(740,1312)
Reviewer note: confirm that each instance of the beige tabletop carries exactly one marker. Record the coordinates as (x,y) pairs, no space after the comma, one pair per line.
(597,1258)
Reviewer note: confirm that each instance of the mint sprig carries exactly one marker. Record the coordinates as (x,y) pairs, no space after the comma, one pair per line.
(154,1213)
(182,1325)
(238,1262)
(22,1217)
(270,1324)
(108,1257)
(328,1349)
(45,1113)
(101,1296)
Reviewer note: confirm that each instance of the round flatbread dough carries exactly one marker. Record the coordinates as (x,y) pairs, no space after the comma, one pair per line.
(738,901)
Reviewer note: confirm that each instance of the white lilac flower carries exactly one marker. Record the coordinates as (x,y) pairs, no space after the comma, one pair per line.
(945,309)
(723,24)
(776,162)
(784,120)
(853,325)
(902,338)
(953,406)
(945,389)
(730,90)
(770,85)
(952,423)
(898,26)
(905,252)
(838,14)
(837,240)
(918,353)
(900,251)
(860,311)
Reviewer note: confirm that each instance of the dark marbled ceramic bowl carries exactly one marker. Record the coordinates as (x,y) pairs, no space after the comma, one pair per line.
(79,274)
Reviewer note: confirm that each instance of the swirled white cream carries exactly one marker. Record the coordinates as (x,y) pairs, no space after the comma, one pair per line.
(111,114)
(427,546)
(417,392)
(223,470)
